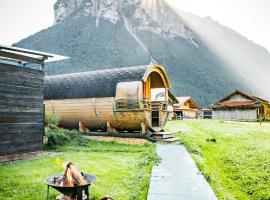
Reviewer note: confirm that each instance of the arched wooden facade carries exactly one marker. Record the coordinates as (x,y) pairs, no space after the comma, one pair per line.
(115,100)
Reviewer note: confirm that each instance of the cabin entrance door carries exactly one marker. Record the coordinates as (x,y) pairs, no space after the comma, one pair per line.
(155,119)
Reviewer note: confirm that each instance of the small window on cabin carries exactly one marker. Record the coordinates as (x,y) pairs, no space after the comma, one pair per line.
(158,94)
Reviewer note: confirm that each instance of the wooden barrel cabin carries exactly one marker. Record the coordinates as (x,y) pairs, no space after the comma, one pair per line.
(113,100)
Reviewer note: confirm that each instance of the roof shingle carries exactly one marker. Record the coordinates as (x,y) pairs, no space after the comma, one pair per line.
(90,84)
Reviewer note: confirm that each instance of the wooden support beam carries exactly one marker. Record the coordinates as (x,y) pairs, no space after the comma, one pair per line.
(143,128)
(83,128)
(111,129)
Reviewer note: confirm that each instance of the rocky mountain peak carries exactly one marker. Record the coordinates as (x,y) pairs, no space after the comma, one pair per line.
(138,15)
(63,8)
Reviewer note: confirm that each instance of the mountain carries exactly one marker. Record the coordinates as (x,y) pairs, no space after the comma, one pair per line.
(101,34)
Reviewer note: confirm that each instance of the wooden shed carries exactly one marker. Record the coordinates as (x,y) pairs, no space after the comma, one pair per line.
(113,100)
(241,106)
(186,108)
(21,100)
(206,113)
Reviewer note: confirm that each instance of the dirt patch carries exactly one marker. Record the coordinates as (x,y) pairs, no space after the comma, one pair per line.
(121,140)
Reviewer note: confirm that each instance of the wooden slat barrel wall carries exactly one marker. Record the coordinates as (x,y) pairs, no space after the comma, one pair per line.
(21,109)
(94,113)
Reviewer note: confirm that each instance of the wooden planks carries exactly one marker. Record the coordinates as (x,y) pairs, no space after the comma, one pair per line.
(21,109)
(94,113)
(235,114)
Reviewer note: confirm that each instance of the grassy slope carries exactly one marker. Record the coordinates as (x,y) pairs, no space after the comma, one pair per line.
(237,165)
(123,171)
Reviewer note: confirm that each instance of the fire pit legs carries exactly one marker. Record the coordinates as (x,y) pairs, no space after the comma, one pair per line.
(48,192)
(87,193)
(79,194)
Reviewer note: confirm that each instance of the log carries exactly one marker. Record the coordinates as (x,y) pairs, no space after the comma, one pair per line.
(72,176)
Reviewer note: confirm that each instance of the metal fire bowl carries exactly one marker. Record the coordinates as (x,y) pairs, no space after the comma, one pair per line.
(90,179)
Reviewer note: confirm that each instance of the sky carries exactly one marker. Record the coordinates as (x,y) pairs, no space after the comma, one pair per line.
(251,18)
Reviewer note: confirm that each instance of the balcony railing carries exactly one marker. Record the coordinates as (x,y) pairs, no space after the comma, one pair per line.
(159,105)
(127,104)
(134,104)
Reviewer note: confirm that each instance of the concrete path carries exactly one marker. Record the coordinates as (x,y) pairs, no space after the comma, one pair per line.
(177,177)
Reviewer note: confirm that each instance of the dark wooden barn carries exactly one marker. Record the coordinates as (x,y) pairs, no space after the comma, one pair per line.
(21,101)
(115,100)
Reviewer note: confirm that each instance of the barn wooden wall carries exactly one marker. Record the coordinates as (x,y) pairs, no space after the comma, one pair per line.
(236,114)
(21,109)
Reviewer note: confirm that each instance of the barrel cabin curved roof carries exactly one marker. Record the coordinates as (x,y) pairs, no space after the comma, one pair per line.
(101,83)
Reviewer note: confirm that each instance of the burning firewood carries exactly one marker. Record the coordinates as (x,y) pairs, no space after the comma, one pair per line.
(73,184)
(72,177)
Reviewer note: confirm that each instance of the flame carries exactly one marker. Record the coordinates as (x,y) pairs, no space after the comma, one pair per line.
(69,180)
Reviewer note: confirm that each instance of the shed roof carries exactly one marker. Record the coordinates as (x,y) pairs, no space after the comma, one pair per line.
(172,98)
(26,56)
(92,84)
(183,100)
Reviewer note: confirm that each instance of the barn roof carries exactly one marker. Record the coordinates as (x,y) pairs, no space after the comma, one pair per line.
(237,103)
(92,84)
(252,102)
(239,92)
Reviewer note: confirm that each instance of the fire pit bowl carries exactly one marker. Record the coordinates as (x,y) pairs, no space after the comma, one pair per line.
(75,191)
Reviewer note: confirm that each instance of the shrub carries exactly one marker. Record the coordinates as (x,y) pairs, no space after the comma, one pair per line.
(53,119)
(62,136)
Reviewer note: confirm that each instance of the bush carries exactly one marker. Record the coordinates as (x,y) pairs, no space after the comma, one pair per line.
(53,119)
(62,136)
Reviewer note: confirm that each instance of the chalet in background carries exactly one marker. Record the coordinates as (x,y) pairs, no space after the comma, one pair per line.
(113,100)
(21,101)
(186,108)
(241,106)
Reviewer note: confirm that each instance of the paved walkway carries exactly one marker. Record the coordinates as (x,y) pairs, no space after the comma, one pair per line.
(177,177)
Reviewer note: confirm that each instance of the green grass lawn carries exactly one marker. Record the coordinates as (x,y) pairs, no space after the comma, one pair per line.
(123,171)
(233,156)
